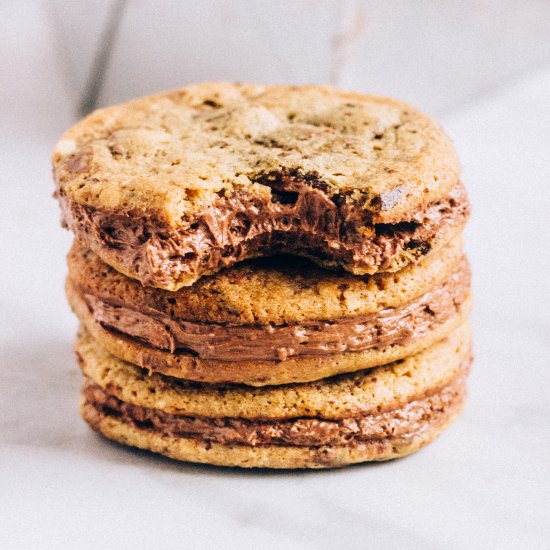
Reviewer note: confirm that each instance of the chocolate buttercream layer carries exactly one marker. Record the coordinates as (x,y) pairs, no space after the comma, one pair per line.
(211,341)
(297,218)
(412,419)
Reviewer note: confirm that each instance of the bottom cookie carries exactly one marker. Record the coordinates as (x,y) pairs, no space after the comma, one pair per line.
(267,456)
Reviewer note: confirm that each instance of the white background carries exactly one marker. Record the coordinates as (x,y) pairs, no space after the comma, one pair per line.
(481,67)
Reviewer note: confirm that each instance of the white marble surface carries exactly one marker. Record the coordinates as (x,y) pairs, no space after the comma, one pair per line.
(484,484)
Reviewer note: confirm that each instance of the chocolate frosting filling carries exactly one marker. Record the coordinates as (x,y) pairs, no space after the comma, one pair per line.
(410,419)
(299,217)
(210,341)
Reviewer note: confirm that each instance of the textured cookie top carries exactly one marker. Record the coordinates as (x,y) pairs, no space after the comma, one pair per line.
(171,154)
(365,392)
(269,291)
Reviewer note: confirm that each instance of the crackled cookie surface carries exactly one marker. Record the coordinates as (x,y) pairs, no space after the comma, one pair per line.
(178,185)
(271,322)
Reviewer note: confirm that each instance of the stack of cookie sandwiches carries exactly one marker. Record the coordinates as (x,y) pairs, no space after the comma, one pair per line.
(267,276)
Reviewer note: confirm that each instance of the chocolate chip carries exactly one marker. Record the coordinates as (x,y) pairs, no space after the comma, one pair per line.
(79,163)
(211,103)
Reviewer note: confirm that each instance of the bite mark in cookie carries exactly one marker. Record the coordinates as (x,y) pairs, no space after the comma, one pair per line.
(238,227)
(176,186)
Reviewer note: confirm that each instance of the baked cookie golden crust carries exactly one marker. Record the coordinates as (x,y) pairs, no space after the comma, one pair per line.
(175,186)
(306,323)
(384,413)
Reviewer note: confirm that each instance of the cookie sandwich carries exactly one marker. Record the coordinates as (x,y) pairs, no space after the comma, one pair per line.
(377,414)
(271,321)
(172,187)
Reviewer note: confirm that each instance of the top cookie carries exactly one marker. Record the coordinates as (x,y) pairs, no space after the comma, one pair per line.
(174,186)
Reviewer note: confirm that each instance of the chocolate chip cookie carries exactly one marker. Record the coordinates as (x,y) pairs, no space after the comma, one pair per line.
(175,186)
